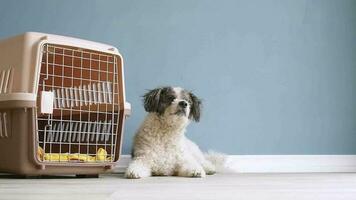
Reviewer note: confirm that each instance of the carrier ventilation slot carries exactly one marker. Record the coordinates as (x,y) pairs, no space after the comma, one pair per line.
(5,80)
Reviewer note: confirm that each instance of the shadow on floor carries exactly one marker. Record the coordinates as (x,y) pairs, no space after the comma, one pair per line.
(15,176)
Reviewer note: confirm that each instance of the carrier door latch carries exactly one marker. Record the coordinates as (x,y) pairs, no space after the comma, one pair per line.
(127,109)
(47,99)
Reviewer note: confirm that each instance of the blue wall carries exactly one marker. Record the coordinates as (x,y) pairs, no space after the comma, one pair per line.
(276,76)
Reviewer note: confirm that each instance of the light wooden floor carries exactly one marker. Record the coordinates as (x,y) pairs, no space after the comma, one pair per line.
(217,187)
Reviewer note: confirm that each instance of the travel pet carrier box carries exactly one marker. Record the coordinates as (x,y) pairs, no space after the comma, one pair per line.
(62,105)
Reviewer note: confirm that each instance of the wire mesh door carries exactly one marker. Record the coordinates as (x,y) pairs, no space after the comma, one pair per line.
(82,88)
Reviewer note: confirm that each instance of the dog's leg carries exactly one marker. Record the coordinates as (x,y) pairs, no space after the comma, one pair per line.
(189,167)
(138,168)
(208,167)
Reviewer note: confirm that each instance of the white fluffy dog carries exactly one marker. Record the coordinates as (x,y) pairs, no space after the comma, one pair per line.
(160,146)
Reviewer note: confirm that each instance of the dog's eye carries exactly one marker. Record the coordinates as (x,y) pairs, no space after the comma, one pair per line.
(171,98)
(189,101)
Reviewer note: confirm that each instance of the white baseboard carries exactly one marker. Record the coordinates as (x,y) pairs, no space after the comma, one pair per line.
(278,163)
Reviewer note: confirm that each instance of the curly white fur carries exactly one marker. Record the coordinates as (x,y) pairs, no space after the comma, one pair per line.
(161,147)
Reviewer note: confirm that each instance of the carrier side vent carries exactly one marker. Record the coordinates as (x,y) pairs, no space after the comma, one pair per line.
(6,80)
(5,131)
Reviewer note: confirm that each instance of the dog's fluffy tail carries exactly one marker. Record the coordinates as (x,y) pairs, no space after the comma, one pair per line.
(219,160)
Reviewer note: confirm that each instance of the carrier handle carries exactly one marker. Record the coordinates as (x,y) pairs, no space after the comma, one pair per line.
(17,100)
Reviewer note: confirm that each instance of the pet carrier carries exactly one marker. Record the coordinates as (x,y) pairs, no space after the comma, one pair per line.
(62,105)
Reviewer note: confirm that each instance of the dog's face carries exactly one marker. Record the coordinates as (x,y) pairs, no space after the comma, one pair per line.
(173,102)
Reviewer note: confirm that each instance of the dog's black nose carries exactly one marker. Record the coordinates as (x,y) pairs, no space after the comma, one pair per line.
(183,104)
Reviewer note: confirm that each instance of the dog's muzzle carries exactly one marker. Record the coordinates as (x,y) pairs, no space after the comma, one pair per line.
(181,108)
(180,112)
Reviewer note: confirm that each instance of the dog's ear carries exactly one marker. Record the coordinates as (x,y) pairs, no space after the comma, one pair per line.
(151,100)
(195,108)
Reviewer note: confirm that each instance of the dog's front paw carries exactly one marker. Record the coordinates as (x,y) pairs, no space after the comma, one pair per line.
(132,174)
(210,171)
(198,173)
(137,170)
(209,168)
